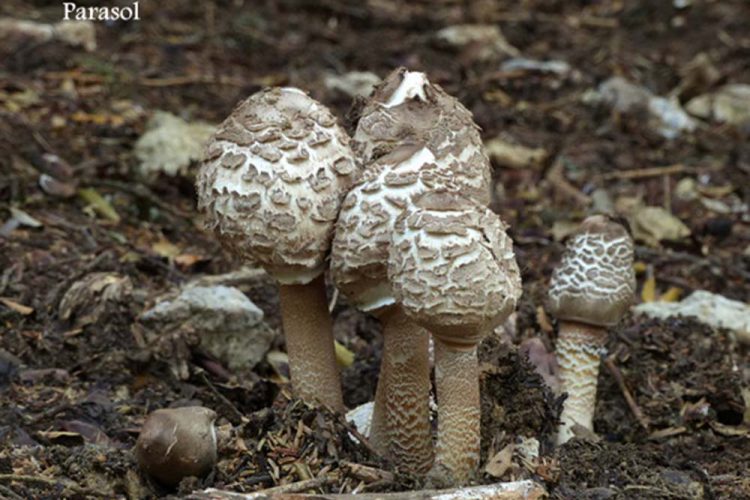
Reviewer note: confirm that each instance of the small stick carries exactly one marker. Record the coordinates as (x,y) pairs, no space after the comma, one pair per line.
(639,173)
(556,176)
(237,413)
(358,435)
(615,371)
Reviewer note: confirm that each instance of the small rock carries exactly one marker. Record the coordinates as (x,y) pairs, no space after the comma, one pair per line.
(170,145)
(559,68)
(177,443)
(487,37)
(229,325)
(729,104)
(15,33)
(361,417)
(665,116)
(353,83)
(709,308)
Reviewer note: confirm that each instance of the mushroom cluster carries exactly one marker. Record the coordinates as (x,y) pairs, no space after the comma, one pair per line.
(415,141)
(280,187)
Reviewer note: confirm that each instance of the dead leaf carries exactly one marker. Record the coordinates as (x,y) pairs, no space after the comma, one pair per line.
(673,294)
(99,204)
(165,248)
(15,306)
(344,357)
(654,224)
(509,155)
(648,293)
(186,261)
(499,464)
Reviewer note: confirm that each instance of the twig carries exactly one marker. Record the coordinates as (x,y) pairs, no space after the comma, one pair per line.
(56,483)
(237,413)
(639,173)
(176,81)
(298,486)
(615,371)
(4,490)
(358,435)
(556,176)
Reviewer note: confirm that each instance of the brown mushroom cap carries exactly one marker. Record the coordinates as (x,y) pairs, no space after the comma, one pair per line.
(359,255)
(595,281)
(407,107)
(272,182)
(452,268)
(175,443)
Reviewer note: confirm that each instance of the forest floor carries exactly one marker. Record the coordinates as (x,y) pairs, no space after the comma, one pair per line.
(78,377)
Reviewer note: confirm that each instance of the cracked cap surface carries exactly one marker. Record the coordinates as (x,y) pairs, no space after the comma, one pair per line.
(452,267)
(407,107)
(595,281)
(272,182)
(359,255)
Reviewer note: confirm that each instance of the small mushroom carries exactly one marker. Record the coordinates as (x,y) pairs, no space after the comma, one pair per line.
(271,188)
(407,107)
(590,290)
(175,443)
(452,269)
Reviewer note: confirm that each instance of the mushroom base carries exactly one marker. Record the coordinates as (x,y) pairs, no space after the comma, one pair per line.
(578,352)
(457,382)
(401,416)
(309,343)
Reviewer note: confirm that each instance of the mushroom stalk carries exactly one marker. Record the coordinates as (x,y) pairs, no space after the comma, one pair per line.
(401,416)
(308,331)
(457,384)
(578,353)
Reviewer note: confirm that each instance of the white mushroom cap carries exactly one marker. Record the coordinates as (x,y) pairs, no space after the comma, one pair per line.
(452,268)
(359,255)
(273,179)
(407,107)
(595,281)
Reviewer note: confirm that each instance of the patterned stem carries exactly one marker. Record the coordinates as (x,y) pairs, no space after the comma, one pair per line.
(401,416)
(578,353)
(457,382)
(309,343)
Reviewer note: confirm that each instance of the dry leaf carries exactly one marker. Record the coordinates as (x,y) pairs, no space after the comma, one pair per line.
(165,248)
(15,306)
(498,465)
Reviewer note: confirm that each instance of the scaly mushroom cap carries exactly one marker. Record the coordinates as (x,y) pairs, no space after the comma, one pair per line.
(595,282)
(359,255)
(272,182)
(452,268)
(406,107)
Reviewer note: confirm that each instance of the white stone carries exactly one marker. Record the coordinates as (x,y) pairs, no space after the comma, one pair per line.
(170,145)
(230,325)
(708,308)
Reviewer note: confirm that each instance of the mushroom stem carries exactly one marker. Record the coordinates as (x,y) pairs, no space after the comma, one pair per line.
(308,330)
(457,383)
(401,416)
(578,353)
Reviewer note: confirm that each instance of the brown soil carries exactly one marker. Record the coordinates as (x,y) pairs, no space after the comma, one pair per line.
(72,398)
